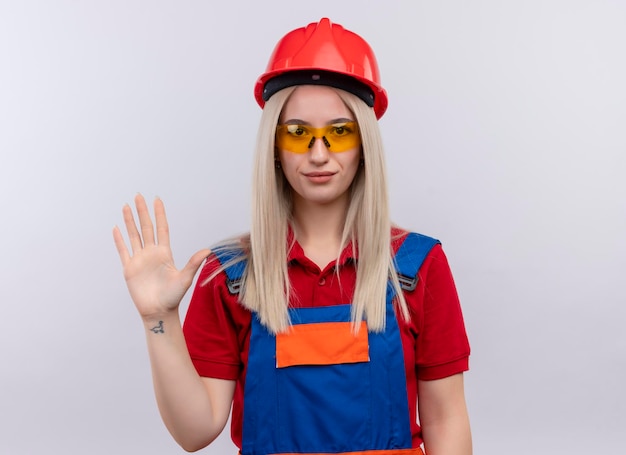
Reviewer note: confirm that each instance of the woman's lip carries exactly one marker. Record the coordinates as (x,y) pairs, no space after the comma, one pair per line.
(319,177)
(319,174)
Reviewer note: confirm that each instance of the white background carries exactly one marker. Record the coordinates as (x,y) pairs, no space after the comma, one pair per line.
(505,138)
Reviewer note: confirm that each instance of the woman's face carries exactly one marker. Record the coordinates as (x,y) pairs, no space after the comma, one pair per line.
(318,175)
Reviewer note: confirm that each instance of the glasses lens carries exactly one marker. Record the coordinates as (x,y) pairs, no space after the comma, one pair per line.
(338,137)
(294,138)
(343,136)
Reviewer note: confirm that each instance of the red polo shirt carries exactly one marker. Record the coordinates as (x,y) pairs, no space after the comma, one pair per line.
(434,341)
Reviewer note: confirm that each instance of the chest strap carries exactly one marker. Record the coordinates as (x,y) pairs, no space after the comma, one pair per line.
(407,261)
(234,270)
(409,258)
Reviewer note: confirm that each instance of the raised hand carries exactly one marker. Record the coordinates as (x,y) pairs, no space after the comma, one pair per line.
(154,283)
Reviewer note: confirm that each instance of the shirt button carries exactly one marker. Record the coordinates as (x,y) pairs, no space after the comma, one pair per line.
(322,281)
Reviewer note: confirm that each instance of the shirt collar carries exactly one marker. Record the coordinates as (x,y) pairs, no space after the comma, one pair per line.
(296,253)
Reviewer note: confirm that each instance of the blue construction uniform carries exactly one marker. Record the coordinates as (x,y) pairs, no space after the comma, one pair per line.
(332,407)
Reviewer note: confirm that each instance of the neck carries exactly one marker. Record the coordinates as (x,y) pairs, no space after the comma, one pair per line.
(318,229)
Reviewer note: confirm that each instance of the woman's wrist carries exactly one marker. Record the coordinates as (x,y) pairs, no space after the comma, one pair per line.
(157,322)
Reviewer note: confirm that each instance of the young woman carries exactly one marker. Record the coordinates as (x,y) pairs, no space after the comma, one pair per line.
(327,329)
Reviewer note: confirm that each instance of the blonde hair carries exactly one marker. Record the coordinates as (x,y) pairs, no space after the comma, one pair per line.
(265,288)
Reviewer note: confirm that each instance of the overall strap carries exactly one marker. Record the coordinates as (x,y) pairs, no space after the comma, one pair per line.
(234,270)
(407,260)
(410,256)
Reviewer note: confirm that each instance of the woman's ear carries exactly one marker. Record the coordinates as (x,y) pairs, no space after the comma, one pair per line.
(277,163)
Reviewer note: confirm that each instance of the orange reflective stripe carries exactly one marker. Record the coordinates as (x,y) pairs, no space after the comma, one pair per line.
(413,451)
(325,343)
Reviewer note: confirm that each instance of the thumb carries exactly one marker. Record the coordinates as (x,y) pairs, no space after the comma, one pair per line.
(194,263)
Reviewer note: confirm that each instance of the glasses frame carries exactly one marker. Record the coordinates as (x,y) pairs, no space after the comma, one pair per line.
(286,140)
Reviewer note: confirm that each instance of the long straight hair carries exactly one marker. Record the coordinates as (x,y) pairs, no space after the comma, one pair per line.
(265,288)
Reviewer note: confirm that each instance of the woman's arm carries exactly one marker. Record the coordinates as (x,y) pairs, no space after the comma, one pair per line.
(194,409)
(443,416)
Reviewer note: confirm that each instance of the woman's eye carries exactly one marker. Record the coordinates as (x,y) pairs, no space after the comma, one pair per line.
(296,130)
(341,130)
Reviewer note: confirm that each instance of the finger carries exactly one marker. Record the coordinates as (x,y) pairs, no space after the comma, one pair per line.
(120,245)
(145,222)
(190,269)
(133,234)
(162,228)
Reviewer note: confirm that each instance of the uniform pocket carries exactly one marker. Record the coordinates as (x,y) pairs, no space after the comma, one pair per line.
(322,343)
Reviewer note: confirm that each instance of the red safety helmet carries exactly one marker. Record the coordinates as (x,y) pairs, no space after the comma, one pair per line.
(327,54)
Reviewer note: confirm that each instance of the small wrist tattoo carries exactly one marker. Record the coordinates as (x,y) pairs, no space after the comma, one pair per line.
(158,328)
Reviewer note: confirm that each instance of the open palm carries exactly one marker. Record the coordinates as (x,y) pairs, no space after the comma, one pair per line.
(155,284)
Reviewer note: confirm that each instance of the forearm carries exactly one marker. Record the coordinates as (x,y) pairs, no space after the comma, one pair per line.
(443,416)
(449,437)
(193,415)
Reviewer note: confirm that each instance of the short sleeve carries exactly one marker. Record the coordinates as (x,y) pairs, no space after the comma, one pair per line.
(442,347)
(212,326)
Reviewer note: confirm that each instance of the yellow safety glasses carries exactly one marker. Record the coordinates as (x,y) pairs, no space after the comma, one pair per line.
(338,137)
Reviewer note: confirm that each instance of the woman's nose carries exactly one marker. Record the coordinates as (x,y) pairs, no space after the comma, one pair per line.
(319,152)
